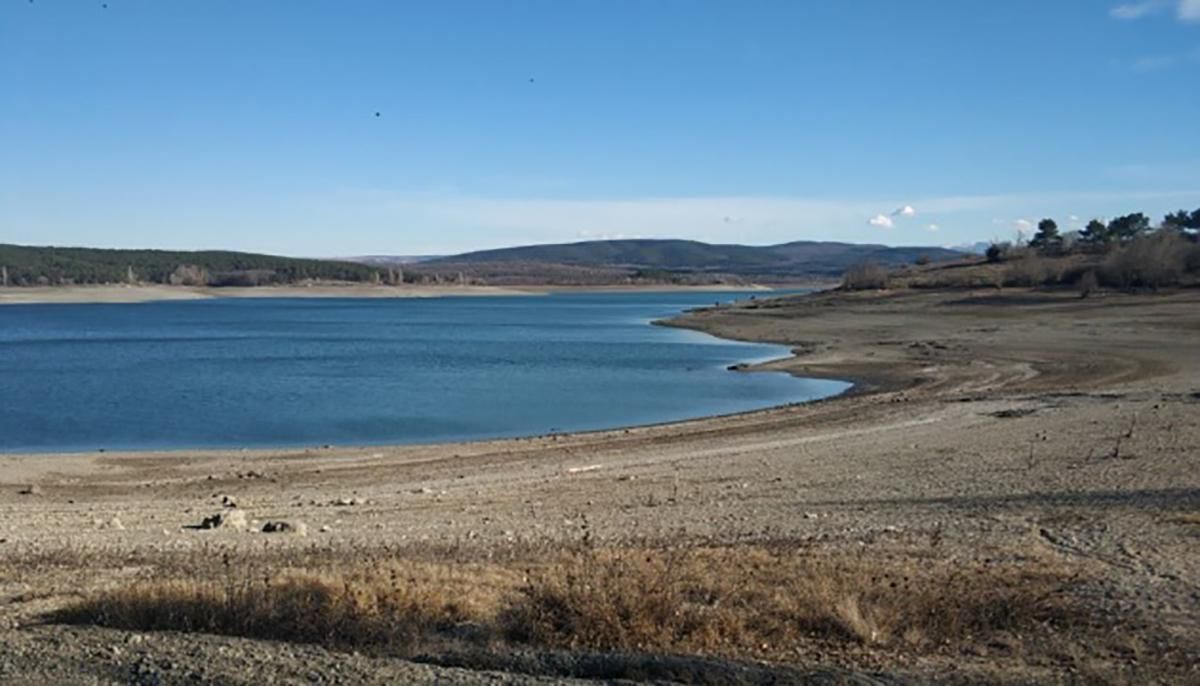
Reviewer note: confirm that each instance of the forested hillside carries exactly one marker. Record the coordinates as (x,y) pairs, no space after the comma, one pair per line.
(32,266)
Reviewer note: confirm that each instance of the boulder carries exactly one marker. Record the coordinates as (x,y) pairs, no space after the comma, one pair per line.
(230,519)
(282,527)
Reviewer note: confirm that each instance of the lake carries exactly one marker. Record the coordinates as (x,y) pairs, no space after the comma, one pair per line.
(293,372)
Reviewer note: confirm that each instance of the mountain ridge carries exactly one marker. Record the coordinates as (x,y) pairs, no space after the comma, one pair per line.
(795,258)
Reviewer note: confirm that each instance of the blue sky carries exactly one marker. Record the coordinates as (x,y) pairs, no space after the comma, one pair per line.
(252,125)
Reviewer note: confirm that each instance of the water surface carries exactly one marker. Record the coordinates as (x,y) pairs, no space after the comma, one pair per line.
(284,372)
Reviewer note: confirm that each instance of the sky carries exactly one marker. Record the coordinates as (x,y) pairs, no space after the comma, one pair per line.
(350,127)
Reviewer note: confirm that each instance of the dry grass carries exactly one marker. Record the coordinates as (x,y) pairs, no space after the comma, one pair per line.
(1186,518)
(745,601)
(1032,270)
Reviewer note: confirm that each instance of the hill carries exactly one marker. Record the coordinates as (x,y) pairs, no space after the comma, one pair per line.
(31,266)
(789,260)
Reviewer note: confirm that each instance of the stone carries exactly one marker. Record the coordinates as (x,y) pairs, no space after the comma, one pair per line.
(230,519)
(282,527)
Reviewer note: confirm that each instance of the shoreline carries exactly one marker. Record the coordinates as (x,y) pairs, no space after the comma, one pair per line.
(117,294)
(158,293)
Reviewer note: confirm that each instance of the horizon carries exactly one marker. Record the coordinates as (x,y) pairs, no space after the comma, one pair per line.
(378,129)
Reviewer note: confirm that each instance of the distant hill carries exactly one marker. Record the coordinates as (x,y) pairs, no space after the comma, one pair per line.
(22,265)
(796,259)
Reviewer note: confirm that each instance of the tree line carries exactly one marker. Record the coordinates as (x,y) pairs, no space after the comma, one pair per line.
(1101,235)
(51,266)
(1129,251)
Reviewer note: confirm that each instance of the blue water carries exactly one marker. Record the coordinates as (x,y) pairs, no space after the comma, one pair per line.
(284,372)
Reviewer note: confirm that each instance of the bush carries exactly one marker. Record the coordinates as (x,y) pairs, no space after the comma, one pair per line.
(188,275)
(867,276)
(1151,261)
(1087,283)
(1031,271)
(996,251)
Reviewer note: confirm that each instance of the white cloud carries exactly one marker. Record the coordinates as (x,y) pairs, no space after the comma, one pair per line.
(1073,218)
(1137,10)
(882,221)
(932,227)
(1152,63)
(1185,10)
(906,211)
(589,236)
(1022,225)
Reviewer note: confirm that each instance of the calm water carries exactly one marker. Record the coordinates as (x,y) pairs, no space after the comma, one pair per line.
(357,371)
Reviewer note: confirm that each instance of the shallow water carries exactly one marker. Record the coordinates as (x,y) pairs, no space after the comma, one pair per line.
(284,372)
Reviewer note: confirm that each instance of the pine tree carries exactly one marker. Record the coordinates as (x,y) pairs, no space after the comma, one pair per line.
(1047,238)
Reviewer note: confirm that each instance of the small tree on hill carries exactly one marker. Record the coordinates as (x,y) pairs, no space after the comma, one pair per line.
(1047,240)
(1128,227)
(996,251)
(1183,221)
(1095,233)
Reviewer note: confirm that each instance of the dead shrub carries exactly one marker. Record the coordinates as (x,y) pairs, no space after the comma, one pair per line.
(1029,271)
(866,276)
(1087,283)
(1152,261)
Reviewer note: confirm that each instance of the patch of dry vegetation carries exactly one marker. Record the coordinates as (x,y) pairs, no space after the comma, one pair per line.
(866,276)
(744,601)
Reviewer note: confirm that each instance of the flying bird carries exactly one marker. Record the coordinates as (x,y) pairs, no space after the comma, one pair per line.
(376,114)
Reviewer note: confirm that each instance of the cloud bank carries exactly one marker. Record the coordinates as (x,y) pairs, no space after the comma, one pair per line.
(1185,10)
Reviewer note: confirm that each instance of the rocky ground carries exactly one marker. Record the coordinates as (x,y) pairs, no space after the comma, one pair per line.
(986,427)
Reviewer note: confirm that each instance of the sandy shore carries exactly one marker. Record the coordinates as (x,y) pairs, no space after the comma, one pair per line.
(992,425)
(151,293)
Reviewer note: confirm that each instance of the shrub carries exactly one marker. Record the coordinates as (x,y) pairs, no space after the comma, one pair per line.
(1087,283)
(188,275)
(1031,271)
(1150,261)
(866,276)
(996,251)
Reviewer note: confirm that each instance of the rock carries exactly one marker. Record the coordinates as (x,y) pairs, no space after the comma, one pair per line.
(281,527)
(30,490)
(115,524)
(231,519)
(228,501)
